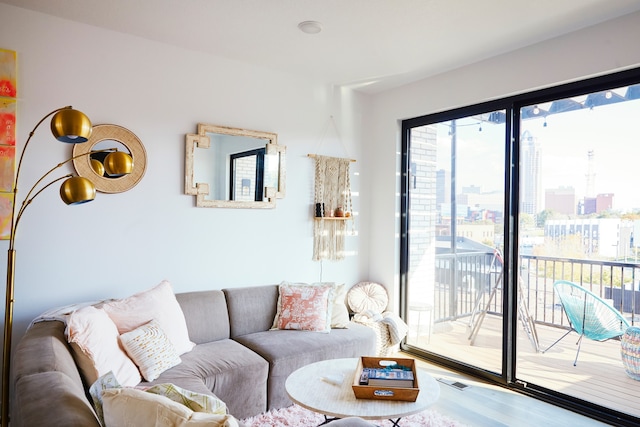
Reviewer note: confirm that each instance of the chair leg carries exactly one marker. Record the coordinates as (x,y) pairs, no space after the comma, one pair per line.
(578,352)
(557,341)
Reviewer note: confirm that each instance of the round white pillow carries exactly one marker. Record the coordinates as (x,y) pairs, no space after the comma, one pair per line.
(367,296)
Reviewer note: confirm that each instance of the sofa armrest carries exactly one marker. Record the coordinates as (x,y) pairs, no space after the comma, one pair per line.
(51,399)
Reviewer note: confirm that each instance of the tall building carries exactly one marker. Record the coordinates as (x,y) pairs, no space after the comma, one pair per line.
(600,203)
(562,200)
(530,177)
(443,186)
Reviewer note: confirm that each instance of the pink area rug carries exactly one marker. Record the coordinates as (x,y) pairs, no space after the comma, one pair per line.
(297,416)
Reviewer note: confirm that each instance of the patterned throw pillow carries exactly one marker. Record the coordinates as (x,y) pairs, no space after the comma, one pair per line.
(305,307)
(150,349)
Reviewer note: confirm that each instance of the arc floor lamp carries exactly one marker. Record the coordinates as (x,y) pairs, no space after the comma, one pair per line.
(71,126)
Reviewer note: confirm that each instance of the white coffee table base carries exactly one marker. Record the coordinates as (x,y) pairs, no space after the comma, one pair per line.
(307,388)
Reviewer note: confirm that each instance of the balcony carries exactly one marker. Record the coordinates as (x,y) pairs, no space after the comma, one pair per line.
(463,289)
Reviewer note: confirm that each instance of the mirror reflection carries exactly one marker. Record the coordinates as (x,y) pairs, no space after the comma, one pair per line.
(236,168)
(98,157)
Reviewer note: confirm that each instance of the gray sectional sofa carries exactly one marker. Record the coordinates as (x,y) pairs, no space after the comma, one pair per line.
(237,358)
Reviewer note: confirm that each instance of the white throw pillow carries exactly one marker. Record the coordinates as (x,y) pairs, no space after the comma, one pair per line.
(94,340)
(150,349)
(158,303)
(340,312)
(128,407)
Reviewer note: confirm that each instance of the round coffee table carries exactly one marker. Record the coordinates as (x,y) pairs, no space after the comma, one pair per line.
(311,388)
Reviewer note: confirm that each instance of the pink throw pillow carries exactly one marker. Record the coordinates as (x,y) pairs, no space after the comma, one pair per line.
(305,308)
(158,303)
(94,340)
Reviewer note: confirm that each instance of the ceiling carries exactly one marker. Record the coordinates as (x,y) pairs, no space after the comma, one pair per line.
(372,45)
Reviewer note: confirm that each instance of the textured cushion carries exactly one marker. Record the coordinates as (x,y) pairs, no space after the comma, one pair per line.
(94,339)
(305,307)
(158,303)
(127,407)
(368,296)
(150,349)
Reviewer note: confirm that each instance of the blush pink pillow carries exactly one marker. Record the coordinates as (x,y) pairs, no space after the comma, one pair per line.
(158,303)
(94,340)
(305,307)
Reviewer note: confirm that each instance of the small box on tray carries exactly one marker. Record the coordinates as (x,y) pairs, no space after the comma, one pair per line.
(386,379)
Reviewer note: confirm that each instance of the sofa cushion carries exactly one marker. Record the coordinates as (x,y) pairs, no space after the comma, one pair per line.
(287,351)
(251,309)
(150,349)
(206,315)
(125,407)
(227,370)
(304,307)
(94,339)
(158,303)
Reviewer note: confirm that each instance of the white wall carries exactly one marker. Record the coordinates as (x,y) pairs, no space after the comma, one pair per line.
(611,46)
(123,243)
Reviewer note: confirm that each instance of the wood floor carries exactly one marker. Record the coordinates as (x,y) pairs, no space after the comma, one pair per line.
(598,377)
(484,405)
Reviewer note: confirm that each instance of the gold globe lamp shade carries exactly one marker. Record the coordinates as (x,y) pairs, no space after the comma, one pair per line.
(77,190)
(72,126)
(97,167)
(118,163)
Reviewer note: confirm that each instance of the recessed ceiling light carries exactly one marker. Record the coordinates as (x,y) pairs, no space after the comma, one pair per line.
(310,27)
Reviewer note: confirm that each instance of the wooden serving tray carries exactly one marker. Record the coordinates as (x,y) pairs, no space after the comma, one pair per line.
(385,393)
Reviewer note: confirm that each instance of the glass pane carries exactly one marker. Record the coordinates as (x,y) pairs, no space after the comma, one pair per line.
(456,188)
(579,222)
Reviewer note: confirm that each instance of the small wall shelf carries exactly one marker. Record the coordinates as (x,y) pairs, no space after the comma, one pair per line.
(332,218)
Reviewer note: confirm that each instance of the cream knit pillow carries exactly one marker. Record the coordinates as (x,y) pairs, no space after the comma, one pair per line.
(150,349)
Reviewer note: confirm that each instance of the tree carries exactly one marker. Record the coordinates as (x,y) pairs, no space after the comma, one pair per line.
(526,221)
(546,214)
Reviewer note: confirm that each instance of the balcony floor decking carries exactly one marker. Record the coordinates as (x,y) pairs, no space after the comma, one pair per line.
(598,377)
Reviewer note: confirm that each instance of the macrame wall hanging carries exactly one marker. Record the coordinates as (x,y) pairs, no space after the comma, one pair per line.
(333,208)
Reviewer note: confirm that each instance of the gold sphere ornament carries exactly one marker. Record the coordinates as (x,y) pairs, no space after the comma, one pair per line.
(77,190)
(97,167)
(72,126)
(118,163)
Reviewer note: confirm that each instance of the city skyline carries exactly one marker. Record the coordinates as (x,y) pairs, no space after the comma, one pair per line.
(610,132)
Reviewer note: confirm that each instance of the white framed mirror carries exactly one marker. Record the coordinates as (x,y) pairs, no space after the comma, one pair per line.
(229,167)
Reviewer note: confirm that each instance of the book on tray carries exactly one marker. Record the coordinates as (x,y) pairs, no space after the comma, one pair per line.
(380,377)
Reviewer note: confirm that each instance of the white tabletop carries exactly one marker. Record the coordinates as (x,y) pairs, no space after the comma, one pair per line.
(307,388)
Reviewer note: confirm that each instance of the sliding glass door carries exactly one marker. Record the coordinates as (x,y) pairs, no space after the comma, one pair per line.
(501,203)
(455,218)
(580,222)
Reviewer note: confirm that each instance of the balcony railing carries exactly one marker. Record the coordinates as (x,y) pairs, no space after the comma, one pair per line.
(465,281)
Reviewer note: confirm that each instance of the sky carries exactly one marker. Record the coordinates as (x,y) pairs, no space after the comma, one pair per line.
(612,132)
